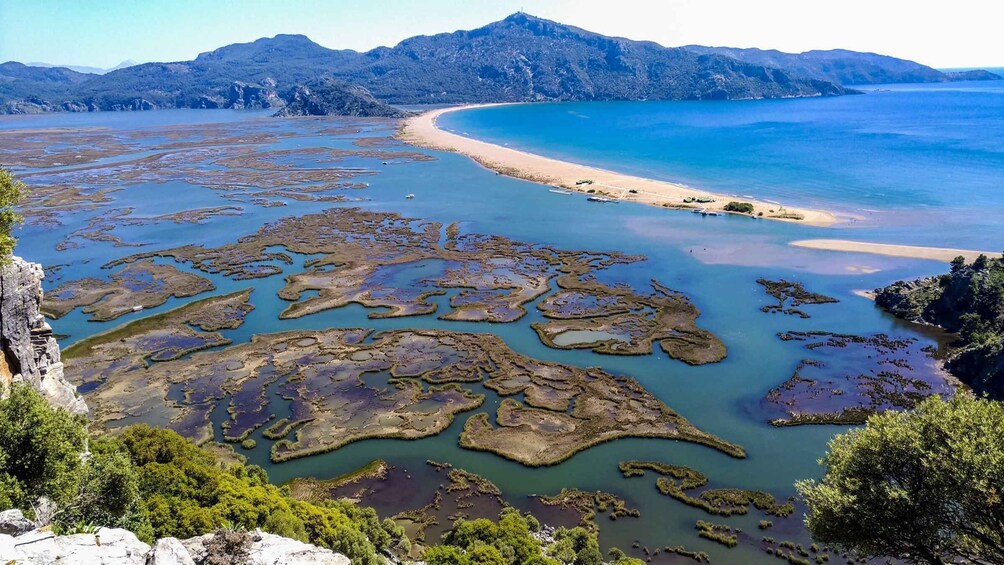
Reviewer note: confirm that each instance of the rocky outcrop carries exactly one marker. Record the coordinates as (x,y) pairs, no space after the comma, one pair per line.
(335,98)
(121,547)
(245,96)
(28,351)
(967,301)
(975,74)
(106,547)
(13,523)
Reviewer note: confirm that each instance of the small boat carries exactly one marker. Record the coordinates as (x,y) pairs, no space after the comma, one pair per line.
(410,196)
(137,308)
(601,199)
(559,191)
(706,212)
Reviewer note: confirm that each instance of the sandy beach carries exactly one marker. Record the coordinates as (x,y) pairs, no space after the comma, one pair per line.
(916,252)
(422,130)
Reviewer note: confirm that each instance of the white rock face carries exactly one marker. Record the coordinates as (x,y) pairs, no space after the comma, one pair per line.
(269,549)
(121,547)
(169,551)
(105,547)
(13,523)
(277,550)
(28,352)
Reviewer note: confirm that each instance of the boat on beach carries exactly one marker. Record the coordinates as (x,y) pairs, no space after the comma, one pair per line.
(601,199)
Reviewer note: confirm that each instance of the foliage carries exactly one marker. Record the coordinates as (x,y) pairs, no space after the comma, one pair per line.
(42,454)
(108,493)
(719,533)
(922,486)
(968,300)
(12,192)
(740,207)
(618,557)
(509,542)
(40,450)
(188,492)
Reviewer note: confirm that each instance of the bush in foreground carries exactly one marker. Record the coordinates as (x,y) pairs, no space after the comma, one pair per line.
(925,486)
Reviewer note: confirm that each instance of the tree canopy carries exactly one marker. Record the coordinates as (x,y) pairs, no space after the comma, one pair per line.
(512,541)
(12,191)
(924,486)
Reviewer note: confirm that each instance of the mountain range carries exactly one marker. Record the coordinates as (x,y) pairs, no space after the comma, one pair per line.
(88,70)
(519,59)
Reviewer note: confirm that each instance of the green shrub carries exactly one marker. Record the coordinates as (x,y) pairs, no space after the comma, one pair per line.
(188,493)
(740,207)
(40,450)
(12,192)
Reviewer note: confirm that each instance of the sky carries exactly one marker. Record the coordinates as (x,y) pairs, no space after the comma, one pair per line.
(102,33)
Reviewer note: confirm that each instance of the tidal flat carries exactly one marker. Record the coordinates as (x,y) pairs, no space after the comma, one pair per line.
(531,339)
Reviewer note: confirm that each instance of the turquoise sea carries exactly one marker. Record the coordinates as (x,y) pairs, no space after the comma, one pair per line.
(922,164)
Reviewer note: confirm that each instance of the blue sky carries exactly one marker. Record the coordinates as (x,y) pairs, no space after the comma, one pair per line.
(102,33)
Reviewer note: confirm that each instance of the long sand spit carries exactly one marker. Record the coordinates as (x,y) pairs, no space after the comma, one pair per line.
(944,254)
(421,130)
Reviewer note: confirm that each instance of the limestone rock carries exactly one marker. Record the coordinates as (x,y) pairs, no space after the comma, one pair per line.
(13,523)
(120,547)
(105,547)
(169,551)
(28,351)
(270,549)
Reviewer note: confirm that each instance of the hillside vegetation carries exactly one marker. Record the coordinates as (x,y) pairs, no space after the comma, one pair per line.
(969,301)
(158,484)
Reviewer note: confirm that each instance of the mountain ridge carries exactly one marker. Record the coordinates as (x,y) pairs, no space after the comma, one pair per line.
(521,58)
(843,66)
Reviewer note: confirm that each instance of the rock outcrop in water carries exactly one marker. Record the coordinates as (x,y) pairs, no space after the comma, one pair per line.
(28,351)
(968,301)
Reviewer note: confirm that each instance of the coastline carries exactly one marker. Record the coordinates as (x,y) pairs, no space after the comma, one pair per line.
(422,131)
(943,254)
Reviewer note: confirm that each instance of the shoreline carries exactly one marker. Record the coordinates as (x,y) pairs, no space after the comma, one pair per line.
(422,131)
(943,254)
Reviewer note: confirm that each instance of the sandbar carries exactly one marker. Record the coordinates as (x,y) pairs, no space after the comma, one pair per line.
(421,130)
(911,251)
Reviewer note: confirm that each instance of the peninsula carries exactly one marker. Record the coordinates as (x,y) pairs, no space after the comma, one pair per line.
(422,130)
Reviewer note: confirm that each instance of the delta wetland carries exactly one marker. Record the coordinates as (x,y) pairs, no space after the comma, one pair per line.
(265,284)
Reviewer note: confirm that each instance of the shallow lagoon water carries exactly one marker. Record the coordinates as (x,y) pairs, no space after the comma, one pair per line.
(715,261)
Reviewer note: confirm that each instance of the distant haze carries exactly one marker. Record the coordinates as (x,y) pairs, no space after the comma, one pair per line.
(963,33)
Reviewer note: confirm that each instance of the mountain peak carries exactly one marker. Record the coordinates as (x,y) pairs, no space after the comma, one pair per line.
(281,44)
